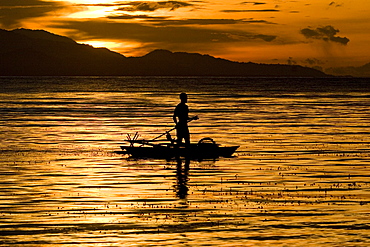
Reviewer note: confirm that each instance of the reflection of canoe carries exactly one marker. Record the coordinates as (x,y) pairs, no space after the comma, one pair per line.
(201,150)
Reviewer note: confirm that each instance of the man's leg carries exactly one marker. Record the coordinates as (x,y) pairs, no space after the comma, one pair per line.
(179,137)
(187,137)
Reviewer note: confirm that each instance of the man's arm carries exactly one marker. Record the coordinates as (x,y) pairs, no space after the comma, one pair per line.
(175,115)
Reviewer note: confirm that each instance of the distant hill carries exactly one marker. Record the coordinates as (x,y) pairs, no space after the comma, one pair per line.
(37,52)
(362,71)
(28,52)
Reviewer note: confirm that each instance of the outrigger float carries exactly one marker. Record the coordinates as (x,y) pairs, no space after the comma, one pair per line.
(206,148)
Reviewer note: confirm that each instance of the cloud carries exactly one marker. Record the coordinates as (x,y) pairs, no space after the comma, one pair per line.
(313,61)
(160,35)
(152,6)
(132,17)
(254,3)
(267,38)
(100,29)
(99,4)
(334,4)
(291,61)
(202,22)
(165,21)
(249,10)
(13,12)
(326,33)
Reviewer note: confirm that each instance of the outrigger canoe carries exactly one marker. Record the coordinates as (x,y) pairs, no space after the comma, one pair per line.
(206,148)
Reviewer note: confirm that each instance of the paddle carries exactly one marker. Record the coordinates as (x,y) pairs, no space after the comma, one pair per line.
(165,133)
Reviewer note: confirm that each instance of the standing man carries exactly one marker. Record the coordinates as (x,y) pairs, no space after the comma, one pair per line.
(181,117)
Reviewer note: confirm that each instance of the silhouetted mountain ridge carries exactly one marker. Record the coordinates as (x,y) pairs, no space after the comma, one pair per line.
(38,52)
(42,34)
(361,71)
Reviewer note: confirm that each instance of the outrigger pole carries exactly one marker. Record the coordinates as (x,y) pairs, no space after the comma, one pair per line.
(165,133)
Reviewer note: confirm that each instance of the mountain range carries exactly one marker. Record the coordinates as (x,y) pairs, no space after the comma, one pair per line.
(25,52)
(361,71)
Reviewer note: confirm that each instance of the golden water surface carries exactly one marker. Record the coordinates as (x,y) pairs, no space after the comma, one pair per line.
(299,178)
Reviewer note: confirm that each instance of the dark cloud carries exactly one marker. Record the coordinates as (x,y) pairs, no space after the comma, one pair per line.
(22,3)
(291,61)
(141,33)
(326,33)
(141,5)
(132,17)
(101,29)
(254,3)
(334,4)
(152,6)
(99,4)
(164,21)
(313,61)
(203,22)
(267,38)
(12,12)
(249,10)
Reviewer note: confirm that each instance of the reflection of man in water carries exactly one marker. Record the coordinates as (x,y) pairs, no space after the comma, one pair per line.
(181,117)
(181,186)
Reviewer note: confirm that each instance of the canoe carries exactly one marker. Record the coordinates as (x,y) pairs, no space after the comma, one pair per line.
(200,150)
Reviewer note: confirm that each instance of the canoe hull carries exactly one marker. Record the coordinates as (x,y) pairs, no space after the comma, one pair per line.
(193,151)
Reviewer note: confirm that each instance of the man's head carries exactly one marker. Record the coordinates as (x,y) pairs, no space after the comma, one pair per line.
(184,97)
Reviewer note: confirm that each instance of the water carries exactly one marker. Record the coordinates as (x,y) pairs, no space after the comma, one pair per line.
(300,176)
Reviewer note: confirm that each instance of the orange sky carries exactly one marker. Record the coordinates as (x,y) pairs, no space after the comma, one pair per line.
(306,32)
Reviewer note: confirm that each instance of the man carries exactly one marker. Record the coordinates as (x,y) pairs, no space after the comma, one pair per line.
(181,117)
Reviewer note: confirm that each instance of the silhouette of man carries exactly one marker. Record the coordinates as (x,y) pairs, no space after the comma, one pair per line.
(181,117)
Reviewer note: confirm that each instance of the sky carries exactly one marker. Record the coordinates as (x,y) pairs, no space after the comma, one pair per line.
(324,33)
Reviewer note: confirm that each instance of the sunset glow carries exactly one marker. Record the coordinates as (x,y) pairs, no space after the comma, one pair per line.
(326,33)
